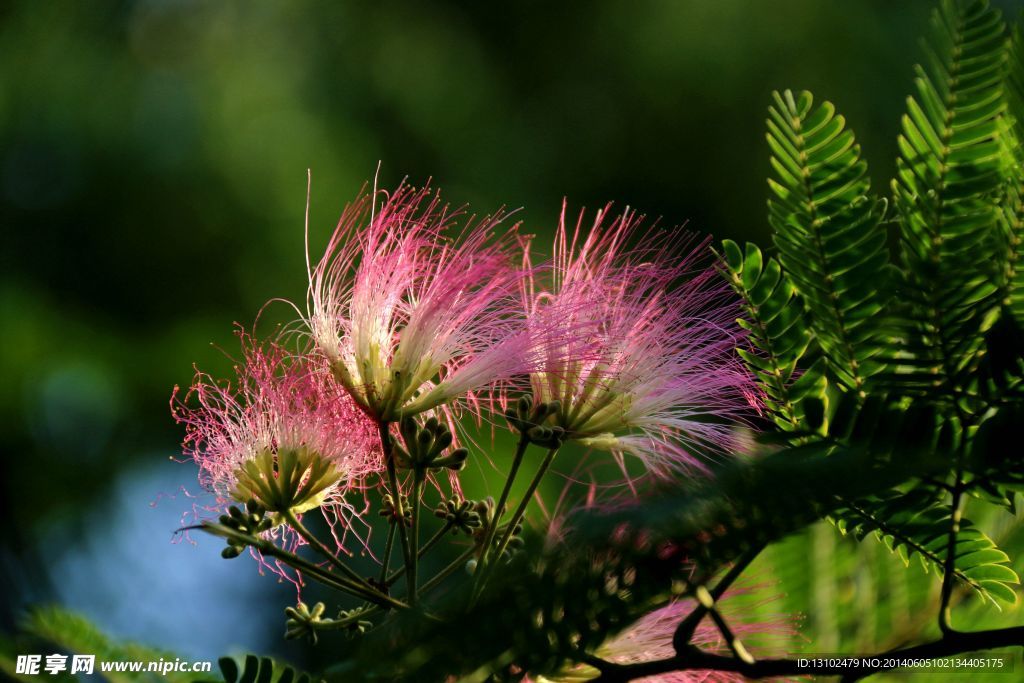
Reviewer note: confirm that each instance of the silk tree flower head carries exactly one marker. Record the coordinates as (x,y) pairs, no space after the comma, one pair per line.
(285,435)
(652,371)
(410,319)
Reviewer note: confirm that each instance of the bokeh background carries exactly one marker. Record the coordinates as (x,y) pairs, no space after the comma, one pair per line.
(153,162)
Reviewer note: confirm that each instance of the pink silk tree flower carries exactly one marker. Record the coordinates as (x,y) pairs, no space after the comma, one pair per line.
(409,319)
(285,435)
(652,371)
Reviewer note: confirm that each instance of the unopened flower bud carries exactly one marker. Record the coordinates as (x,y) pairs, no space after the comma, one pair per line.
(302,621)
(390,511)
(462,515)
(524,405)
(424,447)
(455,461)
(231,552)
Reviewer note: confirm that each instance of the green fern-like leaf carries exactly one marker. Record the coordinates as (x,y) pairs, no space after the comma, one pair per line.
(827,231)
(948,183)
(253,669)
(1011,215)
(1000,372)
(1000,375)
(916,523)
(774,322)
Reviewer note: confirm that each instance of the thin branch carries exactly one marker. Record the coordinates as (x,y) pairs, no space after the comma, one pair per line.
(414,541)
(517,517)
(455,564)
(499,508)
(693,659)
(315,571)
(315,543)
(735,644)
(688,626)
(601,665)
(389,460)
(386,560)
(949,567)
(395,575)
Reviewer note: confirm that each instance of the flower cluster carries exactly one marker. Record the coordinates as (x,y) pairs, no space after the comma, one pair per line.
(284,434)
(634,341)
(652,371)
(410,320)
(623,341)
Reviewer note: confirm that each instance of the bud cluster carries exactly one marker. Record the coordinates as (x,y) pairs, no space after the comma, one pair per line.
(490,516)
(528,417)
(252,522)
(461,515)
(304,621)
(389,509)
(422,448)
(409,326)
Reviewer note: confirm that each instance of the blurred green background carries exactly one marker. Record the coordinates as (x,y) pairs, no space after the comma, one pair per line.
(153,162)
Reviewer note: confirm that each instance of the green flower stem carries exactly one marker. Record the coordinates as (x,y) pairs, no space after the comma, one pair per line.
(450,569)
(492,524)
(394,576)
(435,581)
(389,459)
(518,515)
(520,512)
(436,537)
(313,541)
(414,541)
(292,560)
(335,624)
(386,561)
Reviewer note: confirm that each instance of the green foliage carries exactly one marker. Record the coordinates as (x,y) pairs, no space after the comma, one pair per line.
(54,627)
(252,669)
(949,177)
(944,326)
(917,523)
(773,320)
(1012,206)
(828,234)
